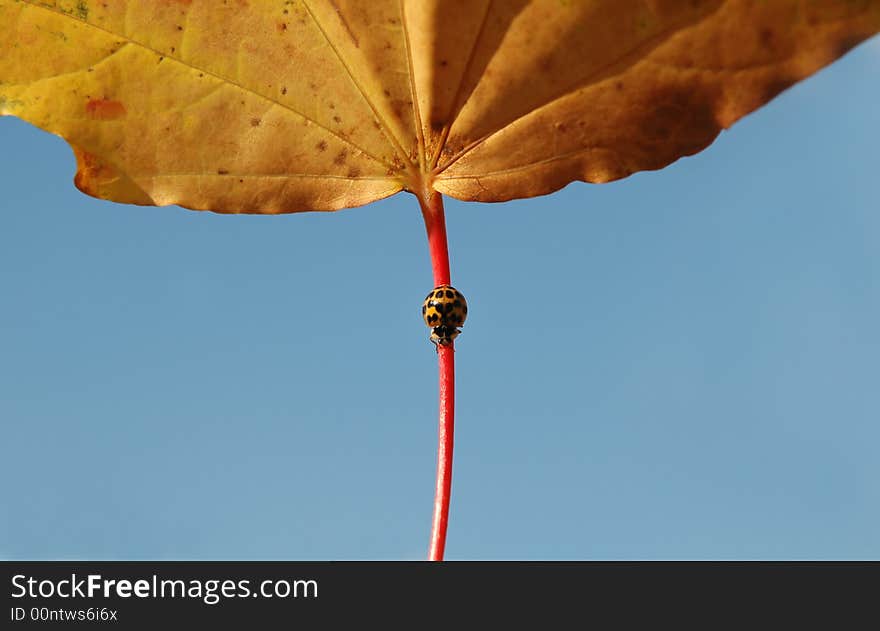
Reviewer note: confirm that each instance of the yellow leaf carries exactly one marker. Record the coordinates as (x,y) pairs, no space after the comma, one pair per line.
(268,107)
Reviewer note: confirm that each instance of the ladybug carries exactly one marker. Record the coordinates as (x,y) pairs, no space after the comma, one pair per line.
(444,310)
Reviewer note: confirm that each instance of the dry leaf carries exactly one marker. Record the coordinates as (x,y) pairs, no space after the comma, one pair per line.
(259,106)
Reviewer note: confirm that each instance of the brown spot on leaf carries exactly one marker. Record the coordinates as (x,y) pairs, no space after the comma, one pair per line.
(255,122)
(222,172)
(104,109)
(682,121)
(341,157)
(400,107)
(321,146)
(354,172)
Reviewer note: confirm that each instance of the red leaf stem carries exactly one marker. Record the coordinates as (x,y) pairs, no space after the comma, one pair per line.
(443,490)
(435,223)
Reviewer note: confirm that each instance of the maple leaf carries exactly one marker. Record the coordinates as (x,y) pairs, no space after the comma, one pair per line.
(268,107)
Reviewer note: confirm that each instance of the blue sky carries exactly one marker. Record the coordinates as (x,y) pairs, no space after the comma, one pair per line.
(681,365)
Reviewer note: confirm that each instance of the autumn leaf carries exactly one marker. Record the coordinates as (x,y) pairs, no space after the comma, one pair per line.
(269,107)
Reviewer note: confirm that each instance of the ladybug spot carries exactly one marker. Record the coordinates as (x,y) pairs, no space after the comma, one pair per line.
(449,294)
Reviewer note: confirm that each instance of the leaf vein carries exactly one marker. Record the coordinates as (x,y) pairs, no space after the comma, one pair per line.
(386,131)
(276,176)
(526,167)
(417,117)
(447,126)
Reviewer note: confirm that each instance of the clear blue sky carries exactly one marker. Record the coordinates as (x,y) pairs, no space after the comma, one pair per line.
(681,365)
